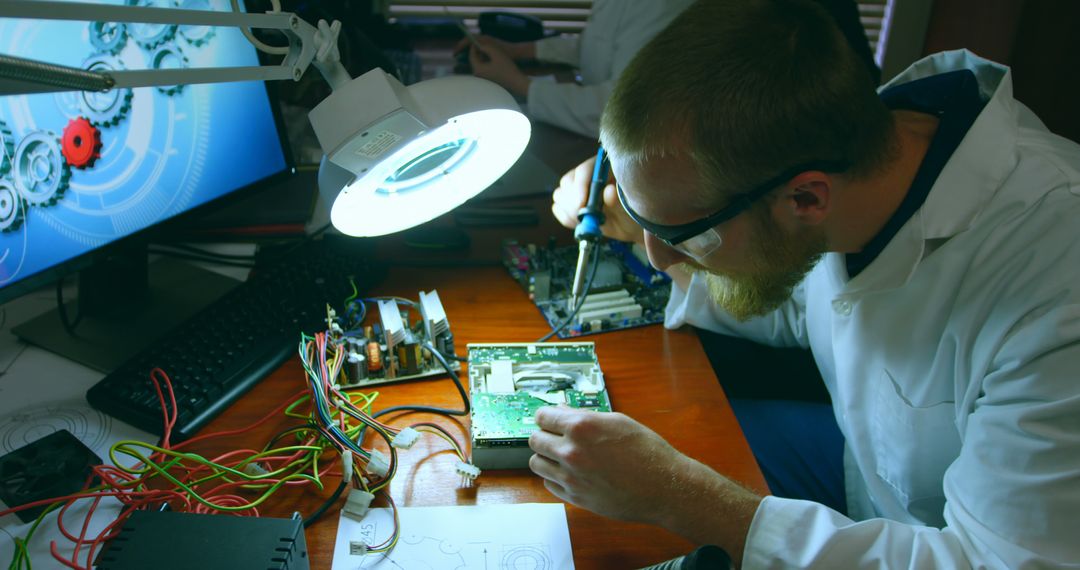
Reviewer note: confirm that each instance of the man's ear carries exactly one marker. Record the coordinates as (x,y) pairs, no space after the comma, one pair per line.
(808,197)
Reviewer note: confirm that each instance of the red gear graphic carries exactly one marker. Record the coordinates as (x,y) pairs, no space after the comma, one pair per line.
(81,143)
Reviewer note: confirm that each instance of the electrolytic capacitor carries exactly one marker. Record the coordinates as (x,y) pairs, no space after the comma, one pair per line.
(356,367)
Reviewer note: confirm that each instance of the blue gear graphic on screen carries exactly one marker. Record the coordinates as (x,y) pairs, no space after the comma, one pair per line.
(163,150)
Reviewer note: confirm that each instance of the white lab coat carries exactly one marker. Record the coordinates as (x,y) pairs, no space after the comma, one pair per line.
(614,33)
(953,361)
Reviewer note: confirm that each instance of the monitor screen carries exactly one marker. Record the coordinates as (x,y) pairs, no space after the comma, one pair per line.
(80,170)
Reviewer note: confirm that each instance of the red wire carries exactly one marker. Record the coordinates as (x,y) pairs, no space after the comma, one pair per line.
(82,534)
(72,496)
(393,508)
(56,554)
(169,418)
(124,486)
(228,433)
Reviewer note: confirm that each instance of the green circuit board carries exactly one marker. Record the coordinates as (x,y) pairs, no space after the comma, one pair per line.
(502,416)
(510,382)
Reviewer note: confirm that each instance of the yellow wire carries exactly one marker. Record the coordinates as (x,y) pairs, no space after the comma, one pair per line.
(453,444)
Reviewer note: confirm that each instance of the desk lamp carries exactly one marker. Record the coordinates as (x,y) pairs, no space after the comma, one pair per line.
(394,156)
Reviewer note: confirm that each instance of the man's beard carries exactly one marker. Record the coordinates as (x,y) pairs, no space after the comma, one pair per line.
(778,262)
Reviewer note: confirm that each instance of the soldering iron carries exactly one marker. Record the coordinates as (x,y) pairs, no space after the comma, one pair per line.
(590,218)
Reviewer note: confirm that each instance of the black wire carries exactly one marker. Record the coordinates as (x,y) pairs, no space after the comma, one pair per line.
(208,253)
(326,505)
(194,257)
(197,254)
(595,263)
(319,512)
(61,309)
(286,433)
(441,264)
(318,232)
(277,257)
(17,355)
(344,484)
(430,409)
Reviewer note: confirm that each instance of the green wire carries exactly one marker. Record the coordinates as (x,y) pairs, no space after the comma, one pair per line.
(355,292)
(21,557)
(251,504)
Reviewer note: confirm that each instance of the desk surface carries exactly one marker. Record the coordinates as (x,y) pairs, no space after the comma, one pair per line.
(660,377)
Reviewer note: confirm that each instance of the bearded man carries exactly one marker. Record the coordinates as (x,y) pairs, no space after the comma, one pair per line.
(920,240)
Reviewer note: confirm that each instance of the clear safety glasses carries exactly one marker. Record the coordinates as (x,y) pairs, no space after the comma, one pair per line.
(698,239)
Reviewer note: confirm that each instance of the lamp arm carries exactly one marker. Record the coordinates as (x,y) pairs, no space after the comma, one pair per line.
(306,43)
(328,56)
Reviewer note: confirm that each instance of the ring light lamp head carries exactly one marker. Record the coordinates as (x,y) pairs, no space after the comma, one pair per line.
(396,156)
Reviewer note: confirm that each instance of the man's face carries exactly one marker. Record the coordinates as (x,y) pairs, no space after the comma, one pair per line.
(757,263)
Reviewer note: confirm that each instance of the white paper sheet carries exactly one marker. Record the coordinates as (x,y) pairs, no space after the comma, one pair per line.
(532,536)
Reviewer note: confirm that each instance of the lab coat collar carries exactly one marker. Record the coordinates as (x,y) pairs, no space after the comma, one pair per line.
(964,187)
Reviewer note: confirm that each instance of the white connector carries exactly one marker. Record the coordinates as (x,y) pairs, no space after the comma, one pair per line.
(346,466)
(405,438)
(255,470)
(378,465)
(358,548)
(467,470)
(357,503)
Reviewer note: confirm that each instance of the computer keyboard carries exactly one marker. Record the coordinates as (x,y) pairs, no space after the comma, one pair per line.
(224,350)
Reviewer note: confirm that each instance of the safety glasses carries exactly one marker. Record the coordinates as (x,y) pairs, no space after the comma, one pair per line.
(700,238)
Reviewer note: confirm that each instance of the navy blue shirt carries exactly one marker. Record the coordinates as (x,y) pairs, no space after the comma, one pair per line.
(955,100)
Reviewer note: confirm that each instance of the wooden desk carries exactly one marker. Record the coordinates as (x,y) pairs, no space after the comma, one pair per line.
(662,378)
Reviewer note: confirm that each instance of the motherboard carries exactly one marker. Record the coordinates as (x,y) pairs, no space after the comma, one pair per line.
(626,291)
(508,383)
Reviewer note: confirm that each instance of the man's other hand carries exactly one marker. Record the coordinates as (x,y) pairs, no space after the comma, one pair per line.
(604,462)
(612,465)
(570,196)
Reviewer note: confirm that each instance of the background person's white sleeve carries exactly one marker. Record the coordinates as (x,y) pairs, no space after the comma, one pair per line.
(560,49)
(1011,495)
(573,107)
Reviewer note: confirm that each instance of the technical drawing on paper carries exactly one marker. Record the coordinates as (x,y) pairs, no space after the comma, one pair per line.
(426,552)
(495,537)
(20,428)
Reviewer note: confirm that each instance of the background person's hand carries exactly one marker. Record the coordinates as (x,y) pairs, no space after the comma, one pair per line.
(569,197)
(518,51)
(489,62)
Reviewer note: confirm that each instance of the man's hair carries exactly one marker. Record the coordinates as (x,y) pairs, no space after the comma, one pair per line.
(748,89)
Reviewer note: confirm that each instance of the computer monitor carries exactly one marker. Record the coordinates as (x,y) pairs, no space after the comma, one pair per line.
(65,204)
